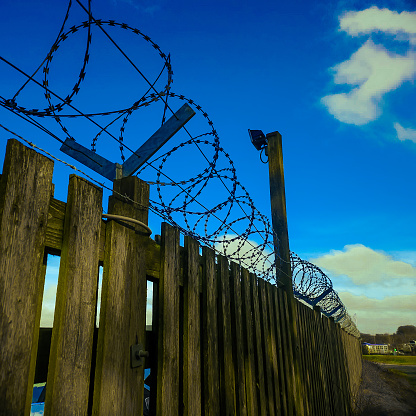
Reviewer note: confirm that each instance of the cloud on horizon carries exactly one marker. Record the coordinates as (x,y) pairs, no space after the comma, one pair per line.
(379,289)
(375,316)
(364,265)
(372,71)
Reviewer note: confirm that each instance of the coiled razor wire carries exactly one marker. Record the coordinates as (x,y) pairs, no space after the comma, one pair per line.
(232,225)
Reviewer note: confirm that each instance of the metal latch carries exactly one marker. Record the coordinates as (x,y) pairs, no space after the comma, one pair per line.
(137,355)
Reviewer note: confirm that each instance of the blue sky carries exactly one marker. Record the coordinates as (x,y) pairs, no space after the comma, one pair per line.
(336,79)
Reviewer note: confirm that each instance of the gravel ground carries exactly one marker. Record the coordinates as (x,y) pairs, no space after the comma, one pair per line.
(383,393)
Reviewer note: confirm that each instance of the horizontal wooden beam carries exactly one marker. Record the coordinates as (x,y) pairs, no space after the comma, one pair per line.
(90,159)
(157,140)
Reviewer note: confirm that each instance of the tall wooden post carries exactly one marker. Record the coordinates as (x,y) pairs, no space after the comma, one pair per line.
(283,266)
(278,205)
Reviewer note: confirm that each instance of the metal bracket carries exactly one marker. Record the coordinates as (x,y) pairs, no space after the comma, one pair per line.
(112,170)
(137,355)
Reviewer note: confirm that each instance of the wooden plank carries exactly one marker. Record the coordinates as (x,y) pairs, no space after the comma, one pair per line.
(318,332)
(278,207)
(227,380)
(249,353)
(25,191)
(287,351)
(157,140)
(238,339)
(281,355)
(315,387)
(273,346)
(90,159)
(76,301)
(118,388)
(168,338)
(192,399)
(303,354)
(267,346)
(211,378)
(261,385)
(329,364)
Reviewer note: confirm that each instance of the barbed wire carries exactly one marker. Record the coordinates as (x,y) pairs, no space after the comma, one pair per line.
(232,224)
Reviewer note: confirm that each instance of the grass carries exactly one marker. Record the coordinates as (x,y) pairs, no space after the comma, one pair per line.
(392,359)
(411,378)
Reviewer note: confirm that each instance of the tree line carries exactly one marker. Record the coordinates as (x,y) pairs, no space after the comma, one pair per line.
(403,335)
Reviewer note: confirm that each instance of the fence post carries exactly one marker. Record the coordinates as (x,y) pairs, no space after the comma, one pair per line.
(281,243)
(25,191)
(118,388)
(168,387)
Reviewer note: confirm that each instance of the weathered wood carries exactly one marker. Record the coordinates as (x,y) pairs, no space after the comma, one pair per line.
(278,208)
(260,385)
(283,262)
(25,190)
(303,362)
(273,346)
(227,381)
(211,378)
(168,339)
(118,389)
(287,352)
(90,159)
(238,339)
(54,236)
(249,354)
(267,345)
(76,301)
(281,356)
(55,228)
(311,359)
(192,399)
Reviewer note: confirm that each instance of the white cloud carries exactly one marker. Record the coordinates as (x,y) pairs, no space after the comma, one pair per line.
(374,71)
(403,24)
(365,266)
(250,254)
(381,316)
(405,133)
(379,289)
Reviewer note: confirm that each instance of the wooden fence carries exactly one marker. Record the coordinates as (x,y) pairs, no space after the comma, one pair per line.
(220,342)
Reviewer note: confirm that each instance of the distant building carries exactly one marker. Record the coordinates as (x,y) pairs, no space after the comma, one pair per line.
(374,348)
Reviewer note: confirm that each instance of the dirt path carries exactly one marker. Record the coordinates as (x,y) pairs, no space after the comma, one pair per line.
(383,393)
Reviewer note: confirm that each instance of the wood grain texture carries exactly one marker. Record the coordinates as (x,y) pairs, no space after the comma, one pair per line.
(168,339)
(278,208)
(55,227)
(303,360)
(266,340)
(249,344)
(192,381)
(74,321)
(227,381)
(25,191)
(118,389)
(211,376)
(238,339)
(260,376)
(281,356)
(269,289)
(287,352)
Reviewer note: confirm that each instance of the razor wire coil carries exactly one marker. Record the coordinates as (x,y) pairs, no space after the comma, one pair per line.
(181,198)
